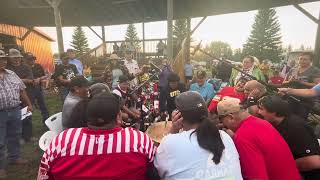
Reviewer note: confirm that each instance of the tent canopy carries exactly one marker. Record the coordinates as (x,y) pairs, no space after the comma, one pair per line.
(112,12)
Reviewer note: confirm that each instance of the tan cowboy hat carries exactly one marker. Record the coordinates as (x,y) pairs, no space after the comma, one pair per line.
(2,54)
(15,53)
(114,57)
(159,130)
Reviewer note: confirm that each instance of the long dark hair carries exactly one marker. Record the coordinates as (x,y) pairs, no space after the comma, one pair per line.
(208,135)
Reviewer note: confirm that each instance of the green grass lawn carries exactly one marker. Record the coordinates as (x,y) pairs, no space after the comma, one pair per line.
(31,151)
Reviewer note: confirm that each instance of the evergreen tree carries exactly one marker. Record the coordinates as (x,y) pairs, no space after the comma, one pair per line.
(132,35)
(180,32)
(79,41)
(265,39)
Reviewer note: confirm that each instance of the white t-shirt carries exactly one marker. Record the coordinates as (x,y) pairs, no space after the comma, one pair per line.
(132,66)
(179,157)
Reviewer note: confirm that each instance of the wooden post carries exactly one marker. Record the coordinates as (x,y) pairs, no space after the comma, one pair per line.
(57,19)
(317,46)
(58,23)
(143,42)
(188,39)
(104,46)
(170,33)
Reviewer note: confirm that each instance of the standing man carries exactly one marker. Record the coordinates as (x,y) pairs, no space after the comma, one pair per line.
(163,76)
(264,154)
(74,61)
(132,66)
(38,77)
(12,89)
(188,71)
(25,74)
(63,75)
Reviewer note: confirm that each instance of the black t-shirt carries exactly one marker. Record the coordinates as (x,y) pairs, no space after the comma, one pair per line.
(167,97)
(24,72)
(66,71)
(302,141)
(307,76)
(37,71)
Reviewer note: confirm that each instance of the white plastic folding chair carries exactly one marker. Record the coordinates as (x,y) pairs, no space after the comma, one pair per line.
(54,123)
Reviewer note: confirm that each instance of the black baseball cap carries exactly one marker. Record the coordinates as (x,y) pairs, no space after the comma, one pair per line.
(71,50)
(64,56)
(103,109)
(190,101)
(123,78)
(98,88)
(29,56)
(79,81)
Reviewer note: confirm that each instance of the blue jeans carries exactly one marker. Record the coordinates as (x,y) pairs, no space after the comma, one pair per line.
(10,132)
(63,93)
(37,97)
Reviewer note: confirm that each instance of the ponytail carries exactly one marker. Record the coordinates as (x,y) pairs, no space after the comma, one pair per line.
(209,138)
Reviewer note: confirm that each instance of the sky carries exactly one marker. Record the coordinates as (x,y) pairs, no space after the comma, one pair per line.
(235,28)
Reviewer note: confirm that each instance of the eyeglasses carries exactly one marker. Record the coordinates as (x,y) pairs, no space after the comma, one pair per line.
(223,116)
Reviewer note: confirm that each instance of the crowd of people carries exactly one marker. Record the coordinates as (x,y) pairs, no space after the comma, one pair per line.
(237,131)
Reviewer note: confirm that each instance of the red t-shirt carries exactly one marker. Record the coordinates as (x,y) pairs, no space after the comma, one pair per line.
(226,91)
(276,80)
(264,154)
(81,153)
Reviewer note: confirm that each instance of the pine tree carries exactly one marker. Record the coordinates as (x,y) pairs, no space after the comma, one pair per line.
(132,35)
(180,32)
(79,41)
(265,39)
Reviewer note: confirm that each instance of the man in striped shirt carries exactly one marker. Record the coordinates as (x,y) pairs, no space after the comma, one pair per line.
(104,150)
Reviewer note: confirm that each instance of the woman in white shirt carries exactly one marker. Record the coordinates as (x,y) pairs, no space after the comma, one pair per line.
(200,151)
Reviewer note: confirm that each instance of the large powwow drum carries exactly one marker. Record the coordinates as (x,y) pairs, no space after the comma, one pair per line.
(159,130)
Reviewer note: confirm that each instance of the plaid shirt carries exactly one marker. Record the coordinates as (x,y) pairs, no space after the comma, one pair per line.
(10,87)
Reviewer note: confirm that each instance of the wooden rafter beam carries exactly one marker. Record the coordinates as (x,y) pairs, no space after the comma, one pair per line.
(305,12)
(30,29)
(95,33)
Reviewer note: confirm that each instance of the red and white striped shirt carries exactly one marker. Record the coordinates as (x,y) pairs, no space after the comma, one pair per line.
(82,153)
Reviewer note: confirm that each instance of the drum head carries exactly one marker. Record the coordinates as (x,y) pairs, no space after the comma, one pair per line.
(159,130)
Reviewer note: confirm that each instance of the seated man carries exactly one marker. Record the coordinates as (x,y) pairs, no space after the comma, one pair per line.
(253,91)
(264,154)
(297,133)
(122,90)
(235,92)
(79,90)
(169,93)
(205,89)
(78,117)
(103,150)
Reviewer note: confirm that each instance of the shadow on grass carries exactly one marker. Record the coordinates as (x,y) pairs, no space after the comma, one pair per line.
(31,151)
